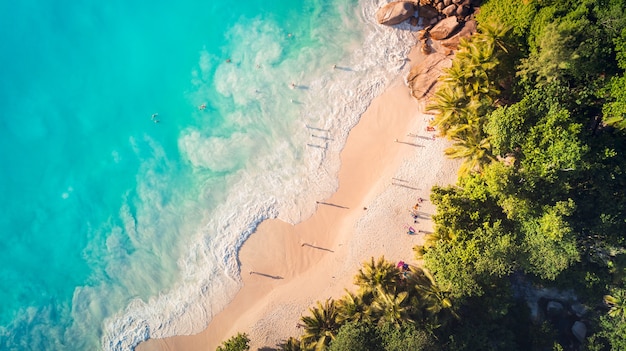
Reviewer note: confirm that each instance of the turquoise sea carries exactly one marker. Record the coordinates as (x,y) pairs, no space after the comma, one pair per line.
(115,228)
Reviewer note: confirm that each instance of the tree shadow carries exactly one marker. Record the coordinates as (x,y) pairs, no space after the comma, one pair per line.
(267,275)
(404,186)
(329,204)
(317,247)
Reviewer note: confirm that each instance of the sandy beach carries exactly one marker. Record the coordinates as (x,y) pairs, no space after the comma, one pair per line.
(388,163)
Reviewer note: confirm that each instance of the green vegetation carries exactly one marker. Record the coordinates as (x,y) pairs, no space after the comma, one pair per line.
(236,343)
(392,309)
(535,106)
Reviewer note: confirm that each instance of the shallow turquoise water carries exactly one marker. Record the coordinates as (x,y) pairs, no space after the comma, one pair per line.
(113,226)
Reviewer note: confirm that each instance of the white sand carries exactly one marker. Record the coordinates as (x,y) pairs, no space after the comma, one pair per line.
(318,258)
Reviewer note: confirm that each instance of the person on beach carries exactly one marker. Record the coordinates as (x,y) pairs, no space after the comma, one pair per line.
(202,107)
(417,205)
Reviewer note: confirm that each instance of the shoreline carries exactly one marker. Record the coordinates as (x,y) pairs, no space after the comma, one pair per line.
(387,163)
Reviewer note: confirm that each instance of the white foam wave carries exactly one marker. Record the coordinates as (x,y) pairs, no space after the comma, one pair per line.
(280,175)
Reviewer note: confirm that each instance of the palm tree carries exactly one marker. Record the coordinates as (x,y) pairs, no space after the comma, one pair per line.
(376,274)
(291,344)
(450,105)
(321,327)
(617,303)
(353,308)
(494,32)
(474,148)
(433,299)
(391,307)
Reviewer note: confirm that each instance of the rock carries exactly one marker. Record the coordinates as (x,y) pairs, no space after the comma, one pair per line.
(579,329)
(579,309)
(426,49)
(440,6)
(422,34)
(423,75)
(395,12)
(554,308)
(447,2)
(434,21)
(462,11)
(414,21)
(444,28)
(467,30)
(449,10)
(427,12)
(425,2)
(457,1)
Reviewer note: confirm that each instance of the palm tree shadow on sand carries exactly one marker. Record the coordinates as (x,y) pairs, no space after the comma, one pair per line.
(267,275)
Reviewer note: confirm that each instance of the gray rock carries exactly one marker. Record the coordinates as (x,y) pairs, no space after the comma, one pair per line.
(434,21)
(579,329)
(395,12)
(554,308)
(449,10)
(427,12)
(444,28)
(579,309)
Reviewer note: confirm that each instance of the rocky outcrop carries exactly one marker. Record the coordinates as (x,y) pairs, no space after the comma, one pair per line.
(423,76)
(429,11)
(467,30)
(395,12)
(444,28)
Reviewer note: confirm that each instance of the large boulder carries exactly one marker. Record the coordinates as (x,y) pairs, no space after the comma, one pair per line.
(468,29)
(449,10)
(423,75)
(462,11)
(427,12)
(444,28)
(395,12)
(579,329)
(579,309)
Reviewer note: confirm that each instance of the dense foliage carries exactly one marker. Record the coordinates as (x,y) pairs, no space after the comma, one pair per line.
(541,196)
(238,342)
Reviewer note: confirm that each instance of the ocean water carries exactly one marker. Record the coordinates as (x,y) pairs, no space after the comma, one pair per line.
(115,228)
